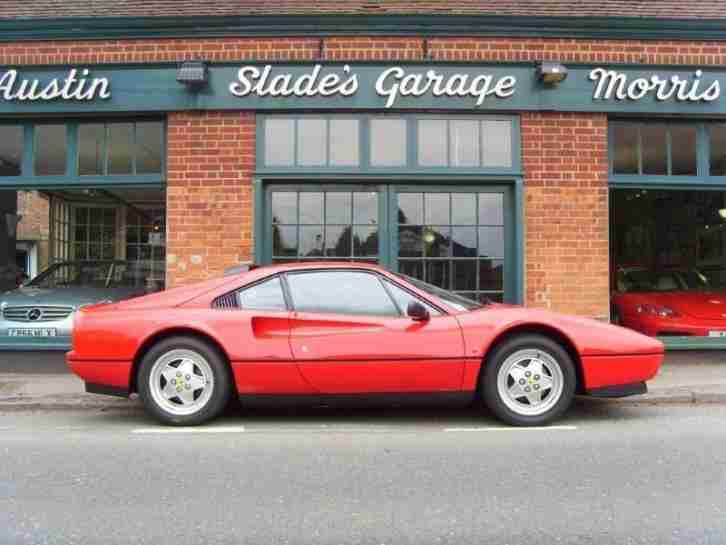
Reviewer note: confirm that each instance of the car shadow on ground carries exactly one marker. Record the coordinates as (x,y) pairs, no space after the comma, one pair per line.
(584,411)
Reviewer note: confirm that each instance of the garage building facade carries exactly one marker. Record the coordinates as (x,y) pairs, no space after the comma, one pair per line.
(440,142)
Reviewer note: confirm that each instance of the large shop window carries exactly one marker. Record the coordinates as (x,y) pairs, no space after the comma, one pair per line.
(82,152)
(124,226)
(392,143)
(456,238)
(668,230)
(667,152)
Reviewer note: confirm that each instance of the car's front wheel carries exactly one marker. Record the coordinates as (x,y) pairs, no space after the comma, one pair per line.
(183,381)
(528,380)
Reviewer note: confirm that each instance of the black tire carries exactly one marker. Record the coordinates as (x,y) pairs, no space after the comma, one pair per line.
(488,379)
(221,389)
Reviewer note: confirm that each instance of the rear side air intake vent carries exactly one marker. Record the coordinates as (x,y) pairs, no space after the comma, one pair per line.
(226,301)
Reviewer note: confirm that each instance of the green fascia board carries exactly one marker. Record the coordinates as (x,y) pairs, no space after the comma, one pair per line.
(429,25)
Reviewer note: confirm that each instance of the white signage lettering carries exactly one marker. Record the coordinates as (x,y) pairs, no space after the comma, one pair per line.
(390,84)
(394,82)
(252,80)
(72,87)
(613,84)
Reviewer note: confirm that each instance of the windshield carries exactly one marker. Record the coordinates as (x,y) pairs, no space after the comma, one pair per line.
(641,280)
(450,298)
(89,274)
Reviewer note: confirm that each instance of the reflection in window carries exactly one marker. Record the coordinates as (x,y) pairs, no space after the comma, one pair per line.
(388,142)
(655,149)
(91,148)
(279,142)
(626,148)
(344,142)
(432,143)
(312,136)
(683,150)
(50,150)
(717,146)
(497,149)
(149,144)
(266,295)
(11,150)
(340,292)
(453,240)
(120,148)
(339,225)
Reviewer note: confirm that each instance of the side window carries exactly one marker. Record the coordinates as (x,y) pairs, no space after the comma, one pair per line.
(403,298)
(266,295)
(340,292)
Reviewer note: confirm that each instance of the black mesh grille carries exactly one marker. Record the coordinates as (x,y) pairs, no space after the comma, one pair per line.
(226,301)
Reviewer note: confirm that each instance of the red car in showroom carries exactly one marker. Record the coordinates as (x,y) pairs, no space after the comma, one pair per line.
(670,302)
(322,332)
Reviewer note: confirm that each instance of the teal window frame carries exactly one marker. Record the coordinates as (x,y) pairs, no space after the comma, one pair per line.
(703,156)
(411,165)
(29,180)
(387,188)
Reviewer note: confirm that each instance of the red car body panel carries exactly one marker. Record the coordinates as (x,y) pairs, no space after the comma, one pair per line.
(307,354)
(696,313)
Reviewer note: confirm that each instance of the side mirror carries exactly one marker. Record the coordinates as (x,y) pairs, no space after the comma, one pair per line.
(417,312)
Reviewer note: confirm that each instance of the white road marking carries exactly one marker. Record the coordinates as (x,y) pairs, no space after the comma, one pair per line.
(514,428)
(217,429)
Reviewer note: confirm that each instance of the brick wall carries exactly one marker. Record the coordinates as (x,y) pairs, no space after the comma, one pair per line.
(34,225)
(565,156)
(566,212)
(209,193)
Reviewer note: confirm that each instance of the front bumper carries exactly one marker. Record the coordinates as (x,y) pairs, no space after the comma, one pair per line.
(613,371)
(682,326)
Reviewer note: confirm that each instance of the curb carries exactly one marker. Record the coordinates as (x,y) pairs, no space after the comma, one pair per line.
(64,403)
(674,396)
(70,402)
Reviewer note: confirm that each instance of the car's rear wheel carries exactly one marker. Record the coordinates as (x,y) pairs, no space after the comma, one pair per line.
(183,381)
(528,380)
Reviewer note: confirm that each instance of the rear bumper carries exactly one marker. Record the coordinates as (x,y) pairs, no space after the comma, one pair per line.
(103,377)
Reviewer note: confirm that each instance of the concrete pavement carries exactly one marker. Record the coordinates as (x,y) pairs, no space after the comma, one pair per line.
(685,377)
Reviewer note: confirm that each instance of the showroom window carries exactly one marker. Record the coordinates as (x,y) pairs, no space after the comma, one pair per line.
(146,241)
(11,150)
(94,232)
(668,150)
(78,151)
(374,142)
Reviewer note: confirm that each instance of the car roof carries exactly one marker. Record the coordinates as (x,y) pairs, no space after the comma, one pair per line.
(313,265)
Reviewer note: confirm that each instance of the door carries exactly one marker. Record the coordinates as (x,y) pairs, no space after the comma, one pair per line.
(457,237)
(348,335)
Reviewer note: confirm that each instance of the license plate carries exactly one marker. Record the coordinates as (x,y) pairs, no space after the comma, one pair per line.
(33,332)
(717,333)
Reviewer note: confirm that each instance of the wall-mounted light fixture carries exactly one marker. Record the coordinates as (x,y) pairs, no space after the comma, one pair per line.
(551,73)
(722,213)
(192,73)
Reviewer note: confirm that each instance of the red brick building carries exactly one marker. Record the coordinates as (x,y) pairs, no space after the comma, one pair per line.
(508,187)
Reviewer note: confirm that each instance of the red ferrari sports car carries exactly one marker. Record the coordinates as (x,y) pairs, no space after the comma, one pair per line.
(668,302)
(321,332)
